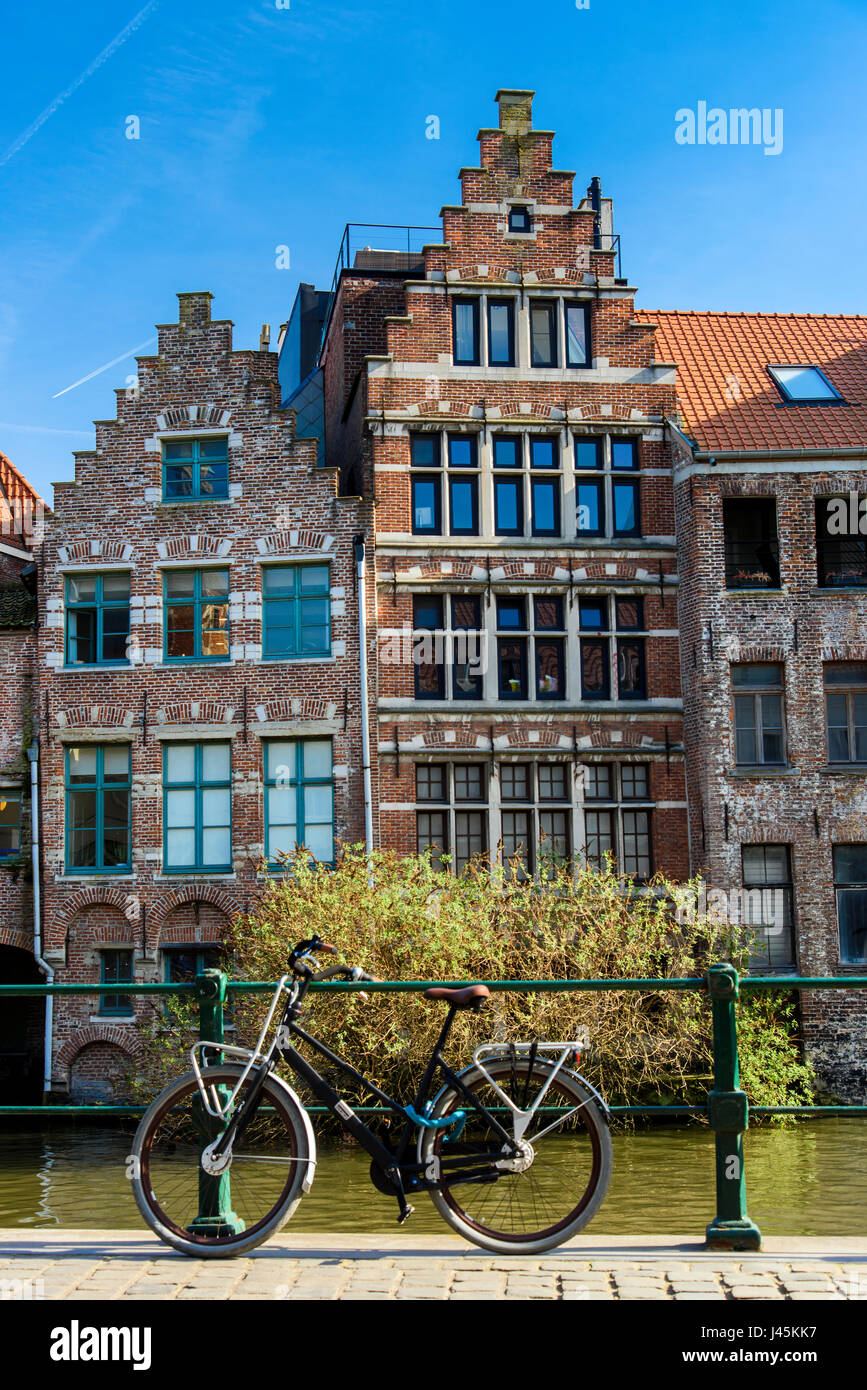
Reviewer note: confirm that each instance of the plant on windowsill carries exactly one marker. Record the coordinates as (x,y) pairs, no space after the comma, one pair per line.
(756,579)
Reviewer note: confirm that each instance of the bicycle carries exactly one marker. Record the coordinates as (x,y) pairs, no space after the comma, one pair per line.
(514,1149)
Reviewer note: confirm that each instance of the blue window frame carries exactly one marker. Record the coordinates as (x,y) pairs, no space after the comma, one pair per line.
(98,787)
(299,799)
(115,969)
(624,453)
(197,807)
(588,453)
(427,504)
(196,606)
(578,352)
(195,470)
(509,506)
(590,501)
(296,611)
(545,498)
(465,331)
(10,823)
(97,619)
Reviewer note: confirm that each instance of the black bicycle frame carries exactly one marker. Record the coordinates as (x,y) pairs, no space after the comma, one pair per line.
(392,1163)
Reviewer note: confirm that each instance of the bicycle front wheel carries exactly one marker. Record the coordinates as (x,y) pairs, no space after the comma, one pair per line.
(568,1162)
(218,1214)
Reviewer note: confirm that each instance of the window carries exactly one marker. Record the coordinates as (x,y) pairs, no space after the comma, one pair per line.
(97,619)
(428,642)
(841,551)
(501,332)
(456,829)
(514,657)
(181,964)
(759,734)
(536,833)
(752,553)
(594,616)
(115,969)
(195,469)
(98,808)
(850,885)
(543,333)
(613,823)
(10,822)
(767,878)
(296,616)
(462,481)
(518,495)
(468,647)
(577,334)
(846,711)
(803,385)
(520,219)
(197,615)
(607,503)
(465,332)
(197,782)
(299,799)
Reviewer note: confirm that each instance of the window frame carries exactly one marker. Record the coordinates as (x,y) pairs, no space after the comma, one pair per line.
(731,506)
(198,602)
(299,782)
(296,598)
(99,787)
(198,786)
(786,398)
(98,604)
(122,1007)
(848,886)
(849,691)
(508,303)
(550,308)
(763,886)
(11,796)
(583,307)
(196,463)
(474,303)
(757,693)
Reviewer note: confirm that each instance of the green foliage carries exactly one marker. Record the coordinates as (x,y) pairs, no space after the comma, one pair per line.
(402,918)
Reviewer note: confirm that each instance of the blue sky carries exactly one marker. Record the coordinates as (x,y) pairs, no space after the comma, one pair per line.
(263,127)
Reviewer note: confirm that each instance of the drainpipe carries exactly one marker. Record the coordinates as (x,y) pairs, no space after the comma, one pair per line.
(33,755)
(365,720)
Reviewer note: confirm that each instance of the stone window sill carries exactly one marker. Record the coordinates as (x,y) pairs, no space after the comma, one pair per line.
(761,771)
(844,770)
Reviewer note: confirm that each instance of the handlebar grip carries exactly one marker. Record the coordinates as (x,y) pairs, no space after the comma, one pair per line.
(327,950)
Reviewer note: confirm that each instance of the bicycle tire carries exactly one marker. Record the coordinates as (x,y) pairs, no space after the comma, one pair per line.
(173,1119)
(449,1201)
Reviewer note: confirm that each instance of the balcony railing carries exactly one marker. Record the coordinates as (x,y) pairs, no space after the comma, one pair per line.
(379,246)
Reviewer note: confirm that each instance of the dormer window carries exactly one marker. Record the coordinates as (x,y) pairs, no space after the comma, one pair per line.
(803,385)
(520,219)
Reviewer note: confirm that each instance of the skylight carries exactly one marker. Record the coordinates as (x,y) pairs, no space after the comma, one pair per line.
(803,384)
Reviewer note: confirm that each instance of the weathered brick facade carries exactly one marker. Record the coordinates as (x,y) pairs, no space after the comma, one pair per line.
(281,510)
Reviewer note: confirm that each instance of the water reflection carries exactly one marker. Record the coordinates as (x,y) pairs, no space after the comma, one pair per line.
(809,1180)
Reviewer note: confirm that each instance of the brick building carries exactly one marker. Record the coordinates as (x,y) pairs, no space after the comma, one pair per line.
(199,698)
(606,605)
(493,392)
(772,529)
(21,519)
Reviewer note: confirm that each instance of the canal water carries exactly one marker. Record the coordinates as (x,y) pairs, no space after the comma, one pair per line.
(808,1180)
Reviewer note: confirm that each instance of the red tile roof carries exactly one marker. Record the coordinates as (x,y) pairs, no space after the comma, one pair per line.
(727,399)
(14,488)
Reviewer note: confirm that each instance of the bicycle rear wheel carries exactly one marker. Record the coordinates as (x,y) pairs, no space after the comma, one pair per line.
(218,1215)
(559,1191)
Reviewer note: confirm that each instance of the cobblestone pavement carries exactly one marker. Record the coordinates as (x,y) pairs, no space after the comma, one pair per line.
(82,1265)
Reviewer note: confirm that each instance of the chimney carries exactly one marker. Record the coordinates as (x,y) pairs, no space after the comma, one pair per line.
(516,110)
(265,338)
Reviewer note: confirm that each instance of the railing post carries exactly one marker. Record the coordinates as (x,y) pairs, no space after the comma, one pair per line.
(215,1215)
(728,1113)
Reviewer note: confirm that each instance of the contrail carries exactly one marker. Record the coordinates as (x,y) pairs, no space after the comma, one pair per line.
(58,101)
(104,368)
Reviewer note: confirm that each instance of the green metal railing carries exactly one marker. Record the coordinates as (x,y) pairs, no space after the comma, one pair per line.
(727,1108)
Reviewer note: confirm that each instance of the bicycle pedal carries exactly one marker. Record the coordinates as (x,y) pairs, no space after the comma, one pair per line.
(405,1215)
